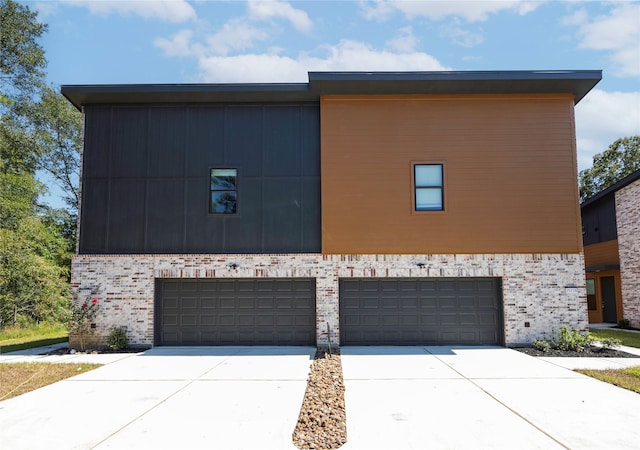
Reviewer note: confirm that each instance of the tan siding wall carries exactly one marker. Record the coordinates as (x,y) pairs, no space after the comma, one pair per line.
(601,254)
(510,174)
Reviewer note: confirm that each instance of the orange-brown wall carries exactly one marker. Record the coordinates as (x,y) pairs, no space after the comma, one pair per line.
(601,254)
(509,174)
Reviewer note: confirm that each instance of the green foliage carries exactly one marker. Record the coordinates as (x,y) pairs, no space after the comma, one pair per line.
(32,287)
(574,340)
(568,339)
(542,345)
(38,130)
(117,339)
(80,316)
(22,60)
(610,343)
(619,160)
(624,323)
(57,132)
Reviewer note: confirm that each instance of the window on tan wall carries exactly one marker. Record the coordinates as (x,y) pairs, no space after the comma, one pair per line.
(429,187)
(223,195)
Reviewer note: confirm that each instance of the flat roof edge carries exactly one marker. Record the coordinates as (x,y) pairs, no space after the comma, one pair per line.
(576,82)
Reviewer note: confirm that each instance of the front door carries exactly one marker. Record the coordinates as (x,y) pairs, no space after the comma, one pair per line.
(608,290)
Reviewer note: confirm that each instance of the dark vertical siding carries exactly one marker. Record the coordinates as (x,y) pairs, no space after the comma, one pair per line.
(599,221)
(146,179)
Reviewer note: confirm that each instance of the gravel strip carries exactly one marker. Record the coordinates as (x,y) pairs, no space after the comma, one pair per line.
(322,423)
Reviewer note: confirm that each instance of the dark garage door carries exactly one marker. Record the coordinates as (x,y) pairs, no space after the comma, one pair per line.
(235,312)
(421,311)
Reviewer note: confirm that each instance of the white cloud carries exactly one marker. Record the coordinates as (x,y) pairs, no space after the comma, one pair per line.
(179,44)
(264,10)
(461,34)
(236,34)
(347,55)
(469,10)
(617,32)
(601,118)
(169,11)
(405,42)
(45,9)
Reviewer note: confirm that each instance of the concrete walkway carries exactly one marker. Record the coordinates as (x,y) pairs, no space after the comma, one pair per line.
(481,398)
(166,398)
(396,398)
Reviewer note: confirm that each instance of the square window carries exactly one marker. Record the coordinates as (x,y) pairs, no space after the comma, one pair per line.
(223,191)
(429,187)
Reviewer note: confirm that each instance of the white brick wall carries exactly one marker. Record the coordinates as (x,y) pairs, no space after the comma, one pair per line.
(546,291)
(628,223)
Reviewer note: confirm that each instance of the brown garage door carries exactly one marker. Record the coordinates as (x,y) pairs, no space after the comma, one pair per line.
(235,312)
(421,311)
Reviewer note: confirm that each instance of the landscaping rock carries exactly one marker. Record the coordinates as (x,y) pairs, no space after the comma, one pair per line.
(322,423)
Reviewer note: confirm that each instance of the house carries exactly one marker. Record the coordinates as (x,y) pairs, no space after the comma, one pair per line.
(611,236)
(358,208)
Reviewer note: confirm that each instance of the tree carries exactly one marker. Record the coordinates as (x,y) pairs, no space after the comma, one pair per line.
(22,59)
(34,254)
(33,276)
(58,132)
(619,160)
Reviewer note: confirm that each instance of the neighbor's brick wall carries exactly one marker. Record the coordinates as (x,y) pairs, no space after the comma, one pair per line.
(546,290)
(628,222)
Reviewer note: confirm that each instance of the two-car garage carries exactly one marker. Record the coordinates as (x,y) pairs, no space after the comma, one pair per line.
(373,311)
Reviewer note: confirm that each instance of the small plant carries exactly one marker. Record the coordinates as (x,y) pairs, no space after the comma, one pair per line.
(542,345)
(624,323)
(117,339)
(610,343)
(80,317)
(573,340)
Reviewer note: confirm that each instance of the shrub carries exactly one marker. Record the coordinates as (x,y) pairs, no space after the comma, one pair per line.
(542,345)
(624,323)
(610,343)
(572,340)
(80,317)
(117,339)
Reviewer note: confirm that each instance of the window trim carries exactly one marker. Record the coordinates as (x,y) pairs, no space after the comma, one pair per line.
(414,188)
(211,191)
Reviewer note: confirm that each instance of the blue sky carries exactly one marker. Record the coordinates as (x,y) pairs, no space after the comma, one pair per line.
(182,41)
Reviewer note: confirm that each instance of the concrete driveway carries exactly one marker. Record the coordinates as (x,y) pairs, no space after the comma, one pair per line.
(481,398)
(166,398)
(396,398)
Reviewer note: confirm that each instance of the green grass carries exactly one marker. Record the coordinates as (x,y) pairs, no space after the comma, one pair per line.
(628,378)
(628,338)
(16,338)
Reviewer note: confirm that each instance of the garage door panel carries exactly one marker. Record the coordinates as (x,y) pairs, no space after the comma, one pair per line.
(420,311)
(236,312)
(226,303)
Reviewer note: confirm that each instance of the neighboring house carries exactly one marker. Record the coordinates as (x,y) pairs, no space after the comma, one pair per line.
(611,236)
(359,208)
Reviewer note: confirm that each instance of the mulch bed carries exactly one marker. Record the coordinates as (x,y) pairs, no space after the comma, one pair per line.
(100,351)
(592,352)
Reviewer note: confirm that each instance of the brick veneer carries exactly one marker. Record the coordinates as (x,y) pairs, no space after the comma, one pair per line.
(544,290)
(628,223)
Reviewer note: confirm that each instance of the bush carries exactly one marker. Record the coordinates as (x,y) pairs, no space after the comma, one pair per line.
(568,339)
(572,340)
(542,345)
(117,339)
(610,343)
(624,323)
